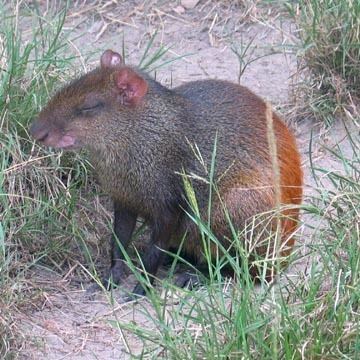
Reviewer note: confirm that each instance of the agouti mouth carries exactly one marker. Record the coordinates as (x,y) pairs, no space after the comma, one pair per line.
(70,147)
(38,132)
(65,142)
(43,138)
(54,137)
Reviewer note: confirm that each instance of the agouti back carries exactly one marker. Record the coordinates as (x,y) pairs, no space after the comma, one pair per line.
(141,137)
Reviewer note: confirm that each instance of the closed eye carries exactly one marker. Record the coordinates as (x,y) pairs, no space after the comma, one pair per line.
(90,109)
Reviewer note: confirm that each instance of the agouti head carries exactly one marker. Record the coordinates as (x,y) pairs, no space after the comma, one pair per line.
(78,114)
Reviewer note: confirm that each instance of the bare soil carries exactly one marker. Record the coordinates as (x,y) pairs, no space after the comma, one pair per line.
(67,323)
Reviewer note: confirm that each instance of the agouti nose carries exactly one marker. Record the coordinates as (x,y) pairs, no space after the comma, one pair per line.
(38,131)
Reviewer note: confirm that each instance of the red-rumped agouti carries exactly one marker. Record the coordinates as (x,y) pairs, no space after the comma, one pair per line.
(141,137)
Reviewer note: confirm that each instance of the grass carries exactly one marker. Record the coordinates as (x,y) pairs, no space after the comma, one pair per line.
(329,49)
(38,193)
(51,216)
(310,313)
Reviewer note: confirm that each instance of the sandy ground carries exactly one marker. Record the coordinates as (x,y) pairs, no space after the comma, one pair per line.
(68,325)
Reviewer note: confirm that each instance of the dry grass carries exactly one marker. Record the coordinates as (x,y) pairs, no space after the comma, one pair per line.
(329,33)
(52,219)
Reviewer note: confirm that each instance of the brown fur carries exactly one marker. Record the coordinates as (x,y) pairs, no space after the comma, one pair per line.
(139,141)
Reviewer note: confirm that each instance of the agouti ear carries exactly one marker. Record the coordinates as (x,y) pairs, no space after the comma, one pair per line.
(110,59)
(132,87)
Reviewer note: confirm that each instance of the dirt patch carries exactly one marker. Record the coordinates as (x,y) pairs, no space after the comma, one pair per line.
(205,35)
(67,324)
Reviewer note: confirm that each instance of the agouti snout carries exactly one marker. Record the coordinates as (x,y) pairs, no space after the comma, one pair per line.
(140,136)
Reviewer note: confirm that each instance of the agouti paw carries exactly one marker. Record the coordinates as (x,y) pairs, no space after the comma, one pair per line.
(138,293)
(187,280)
(115,276)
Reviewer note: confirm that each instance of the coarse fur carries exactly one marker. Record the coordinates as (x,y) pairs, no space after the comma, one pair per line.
(140,137)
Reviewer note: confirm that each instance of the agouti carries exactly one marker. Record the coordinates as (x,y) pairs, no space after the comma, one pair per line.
(141,138)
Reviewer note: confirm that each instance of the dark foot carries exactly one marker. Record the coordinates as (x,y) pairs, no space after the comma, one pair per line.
(138,293)
(92,290)
(187,280)
(114,277)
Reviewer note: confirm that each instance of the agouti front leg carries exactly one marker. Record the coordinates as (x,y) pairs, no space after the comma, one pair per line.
(124,224)
(155,255)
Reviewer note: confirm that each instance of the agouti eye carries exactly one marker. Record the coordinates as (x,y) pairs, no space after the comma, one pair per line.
(90,109)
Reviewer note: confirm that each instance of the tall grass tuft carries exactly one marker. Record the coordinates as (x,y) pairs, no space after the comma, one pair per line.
(329,32)
(36,188)
(311,312)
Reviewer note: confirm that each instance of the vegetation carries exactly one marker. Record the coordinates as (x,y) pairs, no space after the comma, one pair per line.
(49,204)
(311,312)
(37,187)
(329,52)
